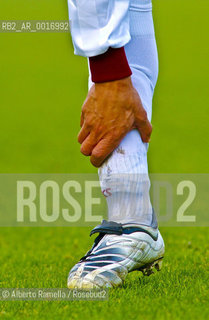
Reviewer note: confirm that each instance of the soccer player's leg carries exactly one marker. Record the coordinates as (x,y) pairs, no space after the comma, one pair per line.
(131,239)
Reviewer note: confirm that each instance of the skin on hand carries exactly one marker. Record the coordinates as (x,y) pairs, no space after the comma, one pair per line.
(110,111)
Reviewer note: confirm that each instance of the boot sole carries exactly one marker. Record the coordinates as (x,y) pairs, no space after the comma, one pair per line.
(151,267)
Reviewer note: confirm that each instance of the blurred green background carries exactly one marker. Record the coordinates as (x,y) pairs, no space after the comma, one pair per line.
(42,87)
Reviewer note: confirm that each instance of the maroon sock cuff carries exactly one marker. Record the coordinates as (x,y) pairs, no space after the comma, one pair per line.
(109,66)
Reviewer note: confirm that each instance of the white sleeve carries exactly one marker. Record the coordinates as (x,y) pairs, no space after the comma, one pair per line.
(97,25)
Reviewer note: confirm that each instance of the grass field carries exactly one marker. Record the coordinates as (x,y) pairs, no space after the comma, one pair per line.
(42,88)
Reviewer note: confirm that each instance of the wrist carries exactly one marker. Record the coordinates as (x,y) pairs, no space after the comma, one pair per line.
(109,66)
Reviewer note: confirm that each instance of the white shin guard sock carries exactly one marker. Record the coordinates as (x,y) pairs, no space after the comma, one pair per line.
(124,175)
(125,182)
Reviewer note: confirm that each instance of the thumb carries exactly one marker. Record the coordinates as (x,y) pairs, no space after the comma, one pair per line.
(143,125)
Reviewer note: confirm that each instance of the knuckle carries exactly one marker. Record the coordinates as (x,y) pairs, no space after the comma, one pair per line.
(99,129)
(87,124)
(117,133)
(84,106)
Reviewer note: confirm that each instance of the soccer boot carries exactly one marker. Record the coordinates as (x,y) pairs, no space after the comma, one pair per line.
(117,250)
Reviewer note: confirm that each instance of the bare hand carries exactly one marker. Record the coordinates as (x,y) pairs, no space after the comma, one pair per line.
(110,111)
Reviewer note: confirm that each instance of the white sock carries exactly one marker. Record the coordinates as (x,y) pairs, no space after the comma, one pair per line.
(124,176)
(125,182)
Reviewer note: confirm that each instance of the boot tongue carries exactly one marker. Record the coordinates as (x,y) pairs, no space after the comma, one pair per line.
(111,227)
(108,227)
